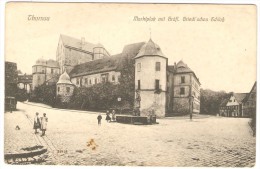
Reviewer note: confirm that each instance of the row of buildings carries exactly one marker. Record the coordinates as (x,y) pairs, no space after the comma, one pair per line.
(239,104)
(165,89)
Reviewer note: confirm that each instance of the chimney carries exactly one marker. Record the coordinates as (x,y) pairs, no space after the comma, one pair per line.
(175,66)
(82,41)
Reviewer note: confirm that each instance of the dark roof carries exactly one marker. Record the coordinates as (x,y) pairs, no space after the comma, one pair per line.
(224,103)
(77,43)
(150,49)
(171,68)
(181,67)
(240,97)
(24,78)
(48,63)
(247,96)
(106,64)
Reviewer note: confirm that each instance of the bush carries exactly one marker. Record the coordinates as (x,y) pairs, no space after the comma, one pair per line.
(44,94)
(21,95)
(253,123)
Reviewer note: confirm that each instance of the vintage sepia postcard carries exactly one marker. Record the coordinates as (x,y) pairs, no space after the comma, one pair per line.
(130,84)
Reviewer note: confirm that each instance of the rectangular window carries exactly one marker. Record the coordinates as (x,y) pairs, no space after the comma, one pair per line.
(90,81)
(138,67)
(113,78)
(95,80)
(51,71)
(104,77)
(86,81)
(58,89)
(77,81)
(157,84)
(42,71)
(182,91)
(182,79)
(139,85)
(158,66)
(68,89)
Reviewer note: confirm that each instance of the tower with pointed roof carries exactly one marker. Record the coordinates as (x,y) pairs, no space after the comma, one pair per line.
(64,88)
(150,79)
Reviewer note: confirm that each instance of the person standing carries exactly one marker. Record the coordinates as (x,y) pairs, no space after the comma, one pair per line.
(44,121)
(108,118)
(113,115)
(36,124)
(99,119)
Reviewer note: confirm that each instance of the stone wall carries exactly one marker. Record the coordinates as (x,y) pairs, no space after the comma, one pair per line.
(152,102)
(181,106)
(38,79)
(63,93)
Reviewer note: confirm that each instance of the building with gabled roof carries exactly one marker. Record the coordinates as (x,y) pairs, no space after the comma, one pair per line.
(72,51)
(233,106)
(160,89)
(249,102)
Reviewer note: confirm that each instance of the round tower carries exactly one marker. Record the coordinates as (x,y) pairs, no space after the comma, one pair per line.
(151,80)
(64,88)
(38,73)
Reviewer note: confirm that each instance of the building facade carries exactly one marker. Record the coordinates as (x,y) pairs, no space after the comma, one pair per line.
(233,106)
(25,82)
(249,104)
(44,71)
(150,79)
(71,52)
(160,88)
(65,88)
(184,90)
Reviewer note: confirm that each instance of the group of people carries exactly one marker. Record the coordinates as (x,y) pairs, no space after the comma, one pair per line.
(108,118)
(40,123)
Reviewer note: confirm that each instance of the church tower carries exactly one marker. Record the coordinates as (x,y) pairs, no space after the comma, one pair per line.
(151,80)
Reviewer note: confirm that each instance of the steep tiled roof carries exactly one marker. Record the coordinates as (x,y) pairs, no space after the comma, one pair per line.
(64,79)
(240,97)
(224,103)
(182,67)
(108,63)
(76,43)
(49,63)
(150,49)
(171,68)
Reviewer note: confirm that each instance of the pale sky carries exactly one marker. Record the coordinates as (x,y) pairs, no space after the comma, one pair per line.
(222,54)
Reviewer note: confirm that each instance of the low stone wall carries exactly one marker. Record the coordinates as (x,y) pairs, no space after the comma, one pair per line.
(136,119)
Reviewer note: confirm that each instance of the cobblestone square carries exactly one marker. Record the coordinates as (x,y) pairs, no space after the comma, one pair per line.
(74,138)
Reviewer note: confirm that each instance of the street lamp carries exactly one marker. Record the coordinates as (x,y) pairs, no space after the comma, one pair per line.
(191,106)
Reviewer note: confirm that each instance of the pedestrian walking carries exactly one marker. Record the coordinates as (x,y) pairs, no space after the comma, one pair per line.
(108,118)
(36,123)
(44,121)
(99,119)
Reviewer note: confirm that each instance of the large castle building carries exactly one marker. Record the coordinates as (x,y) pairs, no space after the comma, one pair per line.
(164,89)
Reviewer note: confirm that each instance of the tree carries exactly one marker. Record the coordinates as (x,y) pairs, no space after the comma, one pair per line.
(211,100)
(126,89)
(21,95)
(44,94)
